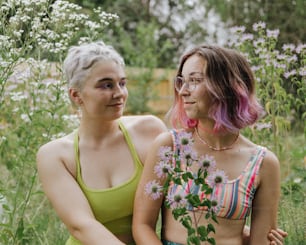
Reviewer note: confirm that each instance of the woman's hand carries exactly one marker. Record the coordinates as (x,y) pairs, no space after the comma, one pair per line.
(277,236)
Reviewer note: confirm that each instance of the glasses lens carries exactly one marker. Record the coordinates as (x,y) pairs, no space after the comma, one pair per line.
(178,83)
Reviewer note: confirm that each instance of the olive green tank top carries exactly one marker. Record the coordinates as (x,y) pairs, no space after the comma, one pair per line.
(112,207)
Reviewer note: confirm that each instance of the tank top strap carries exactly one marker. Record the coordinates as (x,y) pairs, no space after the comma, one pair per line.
(130,143)
(76,153)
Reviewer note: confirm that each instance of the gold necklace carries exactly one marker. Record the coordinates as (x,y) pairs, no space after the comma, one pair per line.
(215,148)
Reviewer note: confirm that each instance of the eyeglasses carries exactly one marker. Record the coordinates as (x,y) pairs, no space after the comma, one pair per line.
(191,83)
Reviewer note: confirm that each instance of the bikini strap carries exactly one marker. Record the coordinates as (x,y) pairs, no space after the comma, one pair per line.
(176,145)
(258,159)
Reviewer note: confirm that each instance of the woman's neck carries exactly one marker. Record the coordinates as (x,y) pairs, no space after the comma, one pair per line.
(215,140)
(97,130)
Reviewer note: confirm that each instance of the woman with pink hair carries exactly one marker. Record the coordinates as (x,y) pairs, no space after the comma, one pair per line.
(214,99)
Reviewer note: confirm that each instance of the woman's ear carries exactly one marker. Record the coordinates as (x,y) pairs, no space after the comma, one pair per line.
(74,95)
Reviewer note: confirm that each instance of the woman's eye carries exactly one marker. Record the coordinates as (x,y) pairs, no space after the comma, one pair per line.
(106,85)
(123,83)
(196,79)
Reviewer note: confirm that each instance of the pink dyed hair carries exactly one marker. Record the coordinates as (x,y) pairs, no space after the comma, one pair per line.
(230,85)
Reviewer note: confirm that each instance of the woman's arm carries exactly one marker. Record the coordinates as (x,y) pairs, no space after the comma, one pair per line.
(146,210)
(265,203)
(67,198)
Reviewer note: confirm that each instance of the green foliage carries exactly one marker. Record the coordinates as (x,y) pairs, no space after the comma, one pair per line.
(280,79)
(34,106)
(288,16)
(143,56)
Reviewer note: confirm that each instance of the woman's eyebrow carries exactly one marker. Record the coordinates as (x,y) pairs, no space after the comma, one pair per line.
(109,79)
(196,73)
(104,79)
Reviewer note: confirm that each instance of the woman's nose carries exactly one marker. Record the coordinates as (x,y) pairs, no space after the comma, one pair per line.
(184,90)
(118,91)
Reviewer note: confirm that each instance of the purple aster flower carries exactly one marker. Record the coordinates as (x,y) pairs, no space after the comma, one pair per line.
(300,48)
(238,29)
(165,153)
(288,47)
(273,33)
(162,169)
(302,71)
(217,177)
(215,206)
(153,189)
(185,139)
(207,163)
(247,36)
(290,73)
(188,156)
(260,126)
(176,200)
(259,25)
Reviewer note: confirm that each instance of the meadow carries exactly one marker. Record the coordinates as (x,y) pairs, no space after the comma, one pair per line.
(35,108)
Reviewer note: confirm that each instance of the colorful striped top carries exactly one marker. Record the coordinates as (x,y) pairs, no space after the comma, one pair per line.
(235,196)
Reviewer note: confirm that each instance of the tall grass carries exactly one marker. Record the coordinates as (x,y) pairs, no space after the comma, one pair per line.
(34,108)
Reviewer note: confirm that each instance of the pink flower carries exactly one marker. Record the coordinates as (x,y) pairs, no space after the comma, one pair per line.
(207,163)
(162,169)
(176,200)
(165,153)
(215,206)
(216,178)
(260,126)
(153,189)
(185,139)
(188,156)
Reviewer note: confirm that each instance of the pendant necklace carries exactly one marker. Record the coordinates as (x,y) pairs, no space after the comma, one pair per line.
(215,148)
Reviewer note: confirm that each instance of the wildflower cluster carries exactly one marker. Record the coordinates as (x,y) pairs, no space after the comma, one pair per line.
(34,105)
(280,73)
(188,180)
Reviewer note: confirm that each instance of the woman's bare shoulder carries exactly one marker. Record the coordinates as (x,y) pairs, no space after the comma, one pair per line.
(56,151)
(270,161)
(144,123)
(57,144)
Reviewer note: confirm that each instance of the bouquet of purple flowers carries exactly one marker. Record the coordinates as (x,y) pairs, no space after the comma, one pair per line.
(188,180)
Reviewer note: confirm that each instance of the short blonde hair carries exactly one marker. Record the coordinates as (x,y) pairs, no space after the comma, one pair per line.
(81,58)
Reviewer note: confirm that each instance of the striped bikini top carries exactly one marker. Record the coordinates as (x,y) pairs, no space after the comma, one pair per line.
(235,196)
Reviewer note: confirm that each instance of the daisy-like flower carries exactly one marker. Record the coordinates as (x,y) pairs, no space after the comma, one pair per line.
(260,126)
(207,163)
(153,189)
(163,168)
(176,200)
(216,178)
(188,156)
(165,153)
(215,206)
(185,139)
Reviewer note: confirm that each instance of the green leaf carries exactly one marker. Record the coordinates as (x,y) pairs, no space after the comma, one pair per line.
(193,240)
(211,241)
(203,232)
(194,200)
(210,228)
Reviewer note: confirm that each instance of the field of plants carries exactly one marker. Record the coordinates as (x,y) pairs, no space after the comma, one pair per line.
(35,108)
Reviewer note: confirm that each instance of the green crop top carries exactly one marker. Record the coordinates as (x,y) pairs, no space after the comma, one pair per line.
(113,207)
